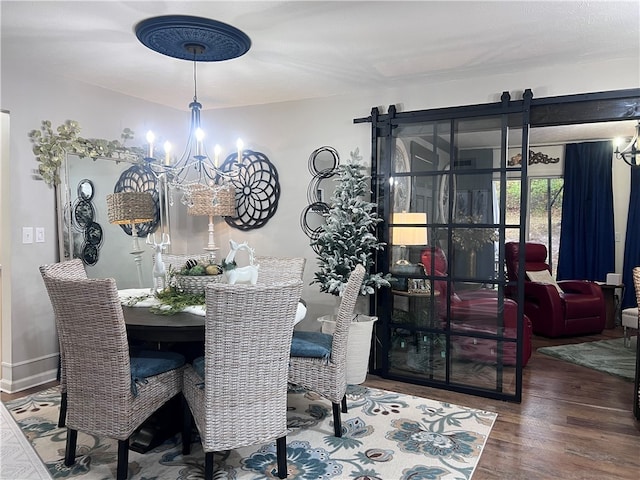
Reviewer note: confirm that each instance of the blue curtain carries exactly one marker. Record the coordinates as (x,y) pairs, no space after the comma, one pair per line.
(632,241)
(587,238)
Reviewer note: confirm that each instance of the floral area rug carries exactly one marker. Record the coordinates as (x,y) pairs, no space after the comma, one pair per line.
(386,436)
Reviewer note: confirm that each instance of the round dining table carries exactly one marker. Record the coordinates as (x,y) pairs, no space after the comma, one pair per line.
(145,325)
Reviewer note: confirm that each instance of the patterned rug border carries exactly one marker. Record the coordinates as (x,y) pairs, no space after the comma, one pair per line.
(386,435)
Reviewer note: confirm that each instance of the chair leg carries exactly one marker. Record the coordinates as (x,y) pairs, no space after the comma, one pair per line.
(186,427)
(281,453)
(63,410)
(337,422)
(123,459)
(208,466)
(70,452)
(627,339)
(344,404)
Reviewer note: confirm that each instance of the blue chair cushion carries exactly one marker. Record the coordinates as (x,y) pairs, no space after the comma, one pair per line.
(147,363)
(198,366)
(311,344)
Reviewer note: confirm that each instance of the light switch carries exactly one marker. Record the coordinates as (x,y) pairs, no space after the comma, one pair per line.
(27,234)
(39,234)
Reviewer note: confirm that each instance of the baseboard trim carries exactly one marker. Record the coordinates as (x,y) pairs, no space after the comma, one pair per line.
(9,370)
(29,382)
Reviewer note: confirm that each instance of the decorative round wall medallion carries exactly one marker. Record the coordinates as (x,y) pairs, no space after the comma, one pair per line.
(83,213)
(323,160)
(93,234)
(257,189)
(89,254)
(88,232)
(323,163)
(140,178)
(312,220)
(315,191)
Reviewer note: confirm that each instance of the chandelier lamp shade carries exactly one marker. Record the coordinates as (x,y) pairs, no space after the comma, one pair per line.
(630,152)
(204,202)
(198,40)
(131,208)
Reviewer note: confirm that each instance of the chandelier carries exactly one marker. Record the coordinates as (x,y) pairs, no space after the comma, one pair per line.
(198,40)
(629,153)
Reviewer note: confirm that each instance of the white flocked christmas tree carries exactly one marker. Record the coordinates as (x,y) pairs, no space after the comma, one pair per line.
(348,237)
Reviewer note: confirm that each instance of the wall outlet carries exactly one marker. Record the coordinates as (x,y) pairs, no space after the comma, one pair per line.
(39,234)
(27,234)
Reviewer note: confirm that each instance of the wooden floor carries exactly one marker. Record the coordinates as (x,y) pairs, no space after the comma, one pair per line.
(573,422)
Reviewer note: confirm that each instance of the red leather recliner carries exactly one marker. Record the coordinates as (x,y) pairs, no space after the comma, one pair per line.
(476,311)
(578,310)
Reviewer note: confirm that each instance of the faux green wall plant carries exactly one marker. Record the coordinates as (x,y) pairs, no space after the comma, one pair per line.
(50,148)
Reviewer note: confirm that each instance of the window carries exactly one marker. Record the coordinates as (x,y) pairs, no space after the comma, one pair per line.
(543,216)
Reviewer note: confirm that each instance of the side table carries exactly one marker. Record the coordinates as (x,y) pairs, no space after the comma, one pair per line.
(611,303)
(421,308)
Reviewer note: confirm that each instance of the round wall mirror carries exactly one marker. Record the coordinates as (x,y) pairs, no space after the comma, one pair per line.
(323,160)
(85,189)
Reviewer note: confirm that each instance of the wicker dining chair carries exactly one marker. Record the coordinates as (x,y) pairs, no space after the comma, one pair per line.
(636,388)
(243,401)
(109,393)
(319,361)
(71,270)
(278,269)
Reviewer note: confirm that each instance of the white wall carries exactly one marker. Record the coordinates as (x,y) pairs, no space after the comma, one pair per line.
(29,353)
(287,133)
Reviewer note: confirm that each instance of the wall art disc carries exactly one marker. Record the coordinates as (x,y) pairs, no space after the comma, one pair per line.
(257,190)
(83,213)
(93,234)
(89,254)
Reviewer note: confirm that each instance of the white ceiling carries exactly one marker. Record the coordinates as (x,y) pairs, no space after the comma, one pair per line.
(312,49)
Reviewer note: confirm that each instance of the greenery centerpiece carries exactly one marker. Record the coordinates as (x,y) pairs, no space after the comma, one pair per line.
(186,286)
(348,237)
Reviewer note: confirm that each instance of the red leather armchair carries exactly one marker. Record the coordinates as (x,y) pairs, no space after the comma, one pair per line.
(579,309)
(476,311)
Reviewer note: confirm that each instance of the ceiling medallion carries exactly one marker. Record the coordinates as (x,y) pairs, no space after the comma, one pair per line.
(178,36)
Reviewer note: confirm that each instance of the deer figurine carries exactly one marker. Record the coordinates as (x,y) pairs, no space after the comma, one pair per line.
(159,269)
(234,274)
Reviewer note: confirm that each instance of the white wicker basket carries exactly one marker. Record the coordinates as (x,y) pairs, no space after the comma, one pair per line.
(358,344)
(195,284)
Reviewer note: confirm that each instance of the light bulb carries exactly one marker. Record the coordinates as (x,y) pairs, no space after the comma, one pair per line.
(150,138)
(167,153)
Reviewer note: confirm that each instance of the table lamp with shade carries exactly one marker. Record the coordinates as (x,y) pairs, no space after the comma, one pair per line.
(131,208)
(206,202)
(408,230)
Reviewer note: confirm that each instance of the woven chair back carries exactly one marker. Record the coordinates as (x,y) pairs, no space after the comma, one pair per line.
(248,334)
(93,337)
(71,269)
(279,269)
(345,316)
